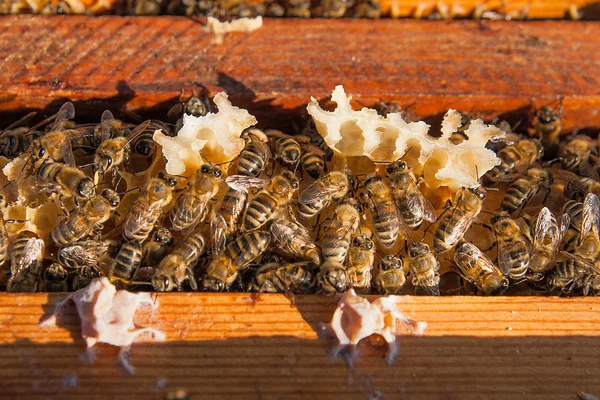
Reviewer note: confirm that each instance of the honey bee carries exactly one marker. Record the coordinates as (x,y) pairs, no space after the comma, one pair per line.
(82,254)
(108,128)
(333,8)
(575,275)
(588,245)
(55,279)
(547,127)
(332,278)
(55,145)
(148,208)
(313,161)
(413,207)
(84,276)
(67,181)
(310,135)
(389,277)
(157,247)
(298,9)
(232,208)
(191,207)
(478,269)
(255,155)
(524,188)
(198,105)
(15,139)
(286,278)
(277,192)
(178,266)
(578,187)
(25,263)
(457,220)
(86,219)
(144,144)
(378,197)
(114,152)
(576,155)
(3,234)
(292,238)
(367,9)
(516,158)
(319,194)
(284,148)
(126,263)
(361,257)
(424,269)
(578,211)
(513,249)
(229,259)
(547,235)
(338,233)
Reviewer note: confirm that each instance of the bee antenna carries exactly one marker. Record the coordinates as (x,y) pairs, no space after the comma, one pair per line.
(406,152)
(86,165)
(26,162)
(5,186)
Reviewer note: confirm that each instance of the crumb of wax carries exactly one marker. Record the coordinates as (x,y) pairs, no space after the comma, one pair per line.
(107,317)
(357,318)
(237,25)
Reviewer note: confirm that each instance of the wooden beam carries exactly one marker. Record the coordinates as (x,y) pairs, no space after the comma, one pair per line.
(231,346)
(142,63)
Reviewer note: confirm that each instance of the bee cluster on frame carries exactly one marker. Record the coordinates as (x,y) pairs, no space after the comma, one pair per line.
(289,214)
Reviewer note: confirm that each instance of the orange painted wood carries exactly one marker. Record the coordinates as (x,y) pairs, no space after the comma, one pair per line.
(232,347)
(142,63)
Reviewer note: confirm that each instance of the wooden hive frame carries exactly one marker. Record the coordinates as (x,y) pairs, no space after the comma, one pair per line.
(234,346)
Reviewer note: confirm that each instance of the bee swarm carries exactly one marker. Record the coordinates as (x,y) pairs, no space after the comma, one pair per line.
(217,204)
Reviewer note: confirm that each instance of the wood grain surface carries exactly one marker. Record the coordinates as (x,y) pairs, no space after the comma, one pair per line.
(127,63)
(233,346)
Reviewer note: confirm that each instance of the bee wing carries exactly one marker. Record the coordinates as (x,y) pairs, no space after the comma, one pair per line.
(274,133)
(462,225)
(66,113)
(571,178)
(316,193)
(591,213)
(176,111)
(471,251)
(544,222)
(582,260)
(504,257)
(105,125)
(565,222)
(342,231)
(149,209)
(32,254)
(429,213)
(242,183)
(85,253)
(141,128)
(261,146)
(311,148)
(218,227)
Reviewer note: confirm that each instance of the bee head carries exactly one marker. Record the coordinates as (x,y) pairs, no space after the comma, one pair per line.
(161,283)
(112,197)
(211,169)
(396,166)
(391,262)
(292,179)
(163,235)
(170,180)
(479,192)
(103,163)
(213,284)
(86,187)
(416,249)
(363,241)
(547,115)
(196,107)
(55,272)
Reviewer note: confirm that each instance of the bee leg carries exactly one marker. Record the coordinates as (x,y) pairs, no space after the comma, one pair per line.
(178,284)
(62,205)
(190,276)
